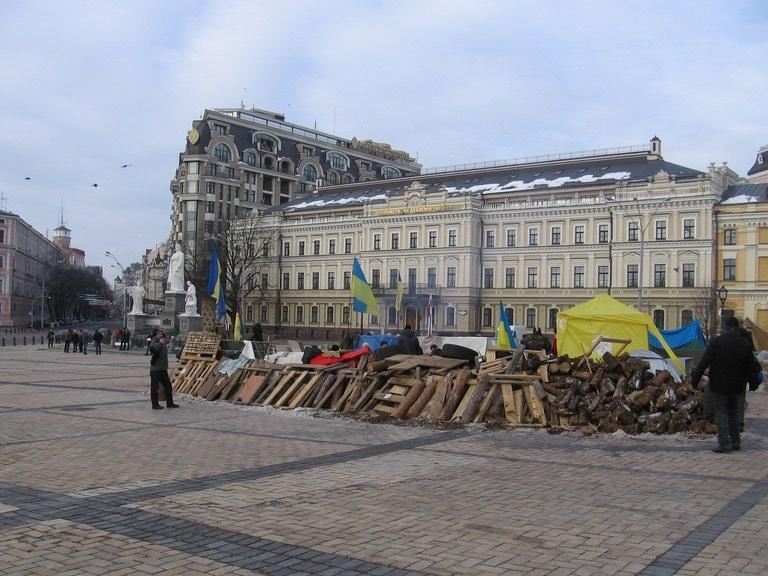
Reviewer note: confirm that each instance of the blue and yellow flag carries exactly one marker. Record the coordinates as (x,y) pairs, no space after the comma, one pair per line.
(504,336)
(214,283)
(238,327)
(399,297)
(364,300)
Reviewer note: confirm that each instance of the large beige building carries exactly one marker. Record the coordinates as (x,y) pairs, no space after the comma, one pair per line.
(538,235)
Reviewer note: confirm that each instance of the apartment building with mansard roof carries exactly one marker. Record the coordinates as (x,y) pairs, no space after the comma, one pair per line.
(537,234)
(238,160)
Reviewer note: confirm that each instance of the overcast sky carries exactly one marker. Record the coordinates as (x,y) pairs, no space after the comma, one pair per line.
(90,86)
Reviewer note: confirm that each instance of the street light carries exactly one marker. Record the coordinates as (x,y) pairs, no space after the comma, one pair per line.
(125,292)
(722,294)
(643,228)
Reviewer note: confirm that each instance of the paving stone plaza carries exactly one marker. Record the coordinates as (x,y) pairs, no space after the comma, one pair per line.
(94,482)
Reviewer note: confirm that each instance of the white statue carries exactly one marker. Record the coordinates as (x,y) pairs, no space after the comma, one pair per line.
(176,271)
(137,293)
(190,301)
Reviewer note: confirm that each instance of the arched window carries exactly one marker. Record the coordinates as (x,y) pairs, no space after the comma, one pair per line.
(222,153)
(268,163)
(686,317)
(250,159)
(347,178)
(310,173)
(389,172)
(285,167)
(337,161)
(333,178)
(392,316)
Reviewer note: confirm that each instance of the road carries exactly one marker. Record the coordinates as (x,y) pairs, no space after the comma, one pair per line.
(94,482)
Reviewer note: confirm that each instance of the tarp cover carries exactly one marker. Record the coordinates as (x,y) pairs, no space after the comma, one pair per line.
(605,316)
(373,341)
(689,336)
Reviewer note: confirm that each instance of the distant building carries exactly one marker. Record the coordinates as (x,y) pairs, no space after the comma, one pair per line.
(26,255)
(237,161)
(758,174)
(62,239)
(154,276)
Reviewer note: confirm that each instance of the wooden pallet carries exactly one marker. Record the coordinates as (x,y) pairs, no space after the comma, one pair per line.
(201,345)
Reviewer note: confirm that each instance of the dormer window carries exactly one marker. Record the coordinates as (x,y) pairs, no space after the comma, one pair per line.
(759,158)
(388,172)
(338,161)
(266,143)
(310,174)
(222,153)
(250,159)
(219,129)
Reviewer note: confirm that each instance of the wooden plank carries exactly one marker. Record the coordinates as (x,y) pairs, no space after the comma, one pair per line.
(487,402)
(291,389)
(251,388)
(456,416)
(280,387)
(341,377)
(455,396)
(426,362)
(510,408)
(476,396)
(306,390)
(538,415)
(435,405)
(366,396)
(410,398)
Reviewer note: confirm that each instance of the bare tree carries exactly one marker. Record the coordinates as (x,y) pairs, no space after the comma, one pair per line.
(704,311)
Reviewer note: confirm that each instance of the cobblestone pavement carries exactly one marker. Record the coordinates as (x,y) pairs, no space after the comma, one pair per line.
(94,482)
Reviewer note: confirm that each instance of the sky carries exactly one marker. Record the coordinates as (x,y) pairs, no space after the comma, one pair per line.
(91,86)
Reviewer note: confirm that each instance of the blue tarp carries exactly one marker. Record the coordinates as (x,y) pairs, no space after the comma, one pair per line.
(374,341)
(689,336)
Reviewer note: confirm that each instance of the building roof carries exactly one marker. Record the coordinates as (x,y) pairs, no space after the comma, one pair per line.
(761,162)
(570,173)
(745,193)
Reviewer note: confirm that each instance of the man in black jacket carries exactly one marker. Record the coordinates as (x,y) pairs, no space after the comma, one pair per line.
(731,365)
(158,372)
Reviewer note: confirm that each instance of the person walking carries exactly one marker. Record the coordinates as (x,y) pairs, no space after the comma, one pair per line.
(51,337)
(731,366)
(75,341)
(97,339)
(67,340)
(158,372)
(84,339)
(127,334)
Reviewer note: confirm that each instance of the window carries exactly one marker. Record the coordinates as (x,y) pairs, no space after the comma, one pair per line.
(345,315)
(376,277)
(391,315)
(413,240)
(661,230)
(450,280)
(395,245)
(315,280)
(307,151)
(314,313)
(659,275)
(552,324)
(230,173)
(689,273)
(729,269)
(510,315)
(377,241)
(331,246)
(264,314)
(688,229)
(530,317)
(331,280)
(210,187)
(452,238)
(433,239)
(250,159)
(333,177)
(2,262)
(578,276)
(729,237)
(249,313)
(310,173)
(393,276)
(316,247)
(602,233)
(578,234)
(286,248)
(631,275)
(329,314)
(487,314)
(284,314)
(301,248)
(431,277)
(686,317)
(556,236)
(602,276)
(633,232)
(509,278)
(533,237)
(533,274)
(373,320)
(554,277)
(488,278)
(511,238)
(286,280)
(450,316)
(658,319)
(212,169)
(222,153)
(299,314)
(347,245)
(300,281)
(490,239)
(337,161)
(389,172)
(264,281)
(347,280)
(210,207)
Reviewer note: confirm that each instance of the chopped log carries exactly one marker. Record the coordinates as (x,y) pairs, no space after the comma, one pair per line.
(456,395)
(435,405)
(426,396)
(485,405)
(410,399)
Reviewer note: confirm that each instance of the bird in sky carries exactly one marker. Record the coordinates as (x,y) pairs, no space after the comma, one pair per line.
(27,178)
(126,165)
(94,185)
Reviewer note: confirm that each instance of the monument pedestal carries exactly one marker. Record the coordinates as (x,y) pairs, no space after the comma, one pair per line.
(138,324)
(189,323)
(174,305)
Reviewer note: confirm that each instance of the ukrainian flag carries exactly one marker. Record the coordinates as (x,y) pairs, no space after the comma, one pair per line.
(399,297)
(504,336)
(364,300)
(214,283)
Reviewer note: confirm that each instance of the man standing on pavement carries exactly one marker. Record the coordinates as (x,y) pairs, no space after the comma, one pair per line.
(731,365)
(97,338)
(158,372)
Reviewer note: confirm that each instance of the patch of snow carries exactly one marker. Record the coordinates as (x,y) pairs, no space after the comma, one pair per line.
(740,199)
(554,183)
(345,200)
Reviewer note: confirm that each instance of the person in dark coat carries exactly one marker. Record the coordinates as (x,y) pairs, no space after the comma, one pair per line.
(98,337)
(731,366)
(158,372)
(75,341)
(409,340)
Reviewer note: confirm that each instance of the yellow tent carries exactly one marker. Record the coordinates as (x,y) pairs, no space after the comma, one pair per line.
(605,316)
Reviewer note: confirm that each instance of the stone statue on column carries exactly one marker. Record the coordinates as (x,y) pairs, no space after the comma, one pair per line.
(176,271)
(190,301)
(137,293)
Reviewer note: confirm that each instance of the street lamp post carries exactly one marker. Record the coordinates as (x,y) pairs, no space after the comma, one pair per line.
(125,292)
(722,294)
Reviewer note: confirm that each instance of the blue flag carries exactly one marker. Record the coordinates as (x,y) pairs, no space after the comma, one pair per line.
(363,298)
(214,282)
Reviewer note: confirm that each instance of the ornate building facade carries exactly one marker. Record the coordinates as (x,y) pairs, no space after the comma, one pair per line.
(538,235)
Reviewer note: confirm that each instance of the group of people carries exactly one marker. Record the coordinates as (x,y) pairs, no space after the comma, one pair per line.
(124,337)
(75,341)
